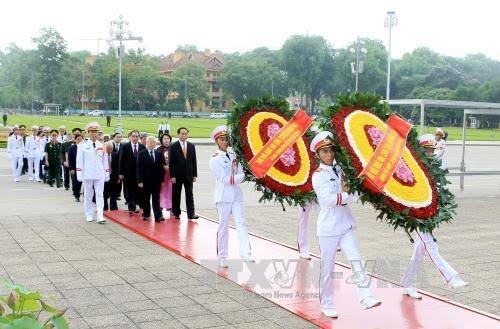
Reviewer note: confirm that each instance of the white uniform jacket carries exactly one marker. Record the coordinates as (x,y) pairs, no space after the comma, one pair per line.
(92,163)
(335,216)
(227,188)
(41,146)
(31,147)
(439,150)
(15,146)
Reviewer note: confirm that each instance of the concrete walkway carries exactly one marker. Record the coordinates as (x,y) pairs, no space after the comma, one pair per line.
(111,278)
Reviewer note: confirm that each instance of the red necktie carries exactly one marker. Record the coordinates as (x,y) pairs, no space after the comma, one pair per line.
(135,150)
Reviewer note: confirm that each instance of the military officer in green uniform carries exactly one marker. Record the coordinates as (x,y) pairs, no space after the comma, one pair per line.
(53,158)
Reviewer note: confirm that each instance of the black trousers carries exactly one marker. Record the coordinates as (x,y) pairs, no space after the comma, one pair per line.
(153,194)
(176,198)
(133,195)
(110,193)
(55,173)
(76,186)
(66,176)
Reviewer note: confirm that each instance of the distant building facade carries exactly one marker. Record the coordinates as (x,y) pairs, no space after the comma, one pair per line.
(213,63)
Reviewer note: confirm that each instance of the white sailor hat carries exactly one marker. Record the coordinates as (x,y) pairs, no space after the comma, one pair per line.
(322,139)
(427,140)
(93,126)
(219,131)
(440,132)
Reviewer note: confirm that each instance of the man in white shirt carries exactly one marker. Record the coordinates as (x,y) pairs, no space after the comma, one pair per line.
(92,168)
(15,149)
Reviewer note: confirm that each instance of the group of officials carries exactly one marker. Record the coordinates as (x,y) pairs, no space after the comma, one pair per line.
(150,174)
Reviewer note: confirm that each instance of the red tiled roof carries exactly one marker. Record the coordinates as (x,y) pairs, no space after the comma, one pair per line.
(210,61)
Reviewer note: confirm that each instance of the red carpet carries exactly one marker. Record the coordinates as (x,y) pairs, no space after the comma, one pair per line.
(278,276)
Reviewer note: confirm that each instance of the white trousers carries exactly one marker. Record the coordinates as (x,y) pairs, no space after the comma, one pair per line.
(224,210)
(328,248)
(424,244)
(34,167)
(303,227)
(89,186)
(17,166)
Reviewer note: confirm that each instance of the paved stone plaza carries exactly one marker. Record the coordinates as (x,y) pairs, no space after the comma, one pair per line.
(109,277)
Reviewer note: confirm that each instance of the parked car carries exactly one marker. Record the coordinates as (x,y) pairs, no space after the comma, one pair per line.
(218,115)
(95,113)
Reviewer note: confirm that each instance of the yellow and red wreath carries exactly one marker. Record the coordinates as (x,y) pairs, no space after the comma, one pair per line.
(253,124)
(415,194)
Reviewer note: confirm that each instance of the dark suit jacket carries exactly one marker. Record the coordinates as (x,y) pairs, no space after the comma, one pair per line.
(115,146)
(148,172)
(183,169)
(115,167)
(72,156)
(128,162)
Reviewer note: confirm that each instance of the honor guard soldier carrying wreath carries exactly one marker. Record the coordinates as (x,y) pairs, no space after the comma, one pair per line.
(228,197)
(92,168)
(335,226)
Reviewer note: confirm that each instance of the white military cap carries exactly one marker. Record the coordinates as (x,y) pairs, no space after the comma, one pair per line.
(322,139)
(219,131)
(440,132)
(34,127)
(93,126)
(427,140)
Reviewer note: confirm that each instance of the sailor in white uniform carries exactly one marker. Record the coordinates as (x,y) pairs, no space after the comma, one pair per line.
(15,149)
(32,154)
(228,197)
(92,168)
(425,244)
(440,145)
(336,226)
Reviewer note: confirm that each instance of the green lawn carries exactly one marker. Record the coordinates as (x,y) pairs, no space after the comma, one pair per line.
(201,128)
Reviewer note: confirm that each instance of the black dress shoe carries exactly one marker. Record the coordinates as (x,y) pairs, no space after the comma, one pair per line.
(131,213)
(145,218)
(177,217)
(136,211)
(194,217)
(161,219)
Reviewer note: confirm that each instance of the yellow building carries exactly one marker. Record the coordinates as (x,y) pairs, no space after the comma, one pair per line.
(213,64)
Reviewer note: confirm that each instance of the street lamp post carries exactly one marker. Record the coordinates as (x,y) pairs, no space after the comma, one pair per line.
(390,21)
(120,32)
(83,89)
(357,67)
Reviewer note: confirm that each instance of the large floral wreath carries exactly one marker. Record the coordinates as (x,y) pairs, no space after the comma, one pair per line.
(252,124)
(416,195)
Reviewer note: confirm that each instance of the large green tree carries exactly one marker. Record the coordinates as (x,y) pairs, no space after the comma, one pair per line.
(51,52)
(308,62)
(189,81)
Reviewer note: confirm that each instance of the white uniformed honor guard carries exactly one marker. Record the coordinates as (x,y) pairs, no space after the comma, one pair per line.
(426,245)
(92,168)
(33,154)
(15,149)
(336,226)
(228,197)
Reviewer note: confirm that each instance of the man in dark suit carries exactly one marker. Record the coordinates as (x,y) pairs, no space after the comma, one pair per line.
(117,144)
(150,177)
(110,187)
(128,170)
(183,171)
(72,151)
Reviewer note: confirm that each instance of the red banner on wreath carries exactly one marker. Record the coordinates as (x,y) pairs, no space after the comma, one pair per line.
(384,160)
(288,135)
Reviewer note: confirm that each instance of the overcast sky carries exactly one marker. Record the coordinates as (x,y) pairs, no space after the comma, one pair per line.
(449,27)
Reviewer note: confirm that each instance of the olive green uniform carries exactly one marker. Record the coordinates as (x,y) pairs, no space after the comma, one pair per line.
(53,151)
